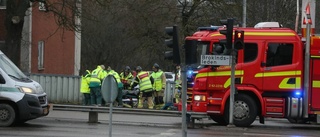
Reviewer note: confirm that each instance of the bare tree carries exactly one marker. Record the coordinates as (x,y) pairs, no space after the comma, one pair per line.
(121,32)
(15,13)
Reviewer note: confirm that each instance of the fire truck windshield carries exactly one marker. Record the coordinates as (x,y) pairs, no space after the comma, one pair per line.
(194,50)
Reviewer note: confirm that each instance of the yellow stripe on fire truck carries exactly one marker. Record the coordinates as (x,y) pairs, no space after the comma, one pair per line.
(284,84)
(262,34)
(280,73)
(269,33)
(220,73)
(316,84)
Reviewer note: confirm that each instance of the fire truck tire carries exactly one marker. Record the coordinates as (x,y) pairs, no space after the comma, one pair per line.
(219,119)
(7,115)
(245,110)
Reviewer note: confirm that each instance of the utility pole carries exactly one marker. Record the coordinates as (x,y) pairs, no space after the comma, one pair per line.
(244,13)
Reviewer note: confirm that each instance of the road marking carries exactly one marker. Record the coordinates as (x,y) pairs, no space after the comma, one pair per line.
(168,133)
(271,135)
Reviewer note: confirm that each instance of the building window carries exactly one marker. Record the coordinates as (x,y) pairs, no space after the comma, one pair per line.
(3,4)
(42,6)
(40,55)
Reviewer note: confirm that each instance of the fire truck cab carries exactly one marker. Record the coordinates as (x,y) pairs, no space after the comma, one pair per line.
(269,76)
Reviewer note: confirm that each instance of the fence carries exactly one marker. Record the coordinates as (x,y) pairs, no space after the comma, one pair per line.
(64,89)
(60,88)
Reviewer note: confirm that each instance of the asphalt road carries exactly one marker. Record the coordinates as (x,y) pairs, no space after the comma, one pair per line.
(74,124)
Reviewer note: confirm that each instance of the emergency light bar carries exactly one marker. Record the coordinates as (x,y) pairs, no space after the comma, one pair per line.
(267,25)
(211,28)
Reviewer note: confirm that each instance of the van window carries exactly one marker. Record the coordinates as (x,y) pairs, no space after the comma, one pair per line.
(250,52)
(279,54)
(12,70)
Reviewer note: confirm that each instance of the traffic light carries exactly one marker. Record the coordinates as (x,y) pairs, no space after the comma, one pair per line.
(227,32)
(238,39)
(172,43)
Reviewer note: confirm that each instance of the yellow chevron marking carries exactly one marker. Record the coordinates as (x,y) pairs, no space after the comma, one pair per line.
(284,84)
(228,82)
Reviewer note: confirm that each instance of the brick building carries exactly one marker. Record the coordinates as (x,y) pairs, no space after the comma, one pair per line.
(45,48)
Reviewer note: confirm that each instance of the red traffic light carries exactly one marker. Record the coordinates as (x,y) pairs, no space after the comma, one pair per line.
(238,39)
(239,35)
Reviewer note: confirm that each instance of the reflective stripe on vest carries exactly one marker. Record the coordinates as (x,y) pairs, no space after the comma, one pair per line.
(124,79)
(94,77)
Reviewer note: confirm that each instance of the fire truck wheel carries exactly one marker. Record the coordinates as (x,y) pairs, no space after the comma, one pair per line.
(219,119)
(7,115)
(245,110)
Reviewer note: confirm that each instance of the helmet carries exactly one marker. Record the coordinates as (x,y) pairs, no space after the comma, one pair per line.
(155,65)
(127,68)
(102,66)
(138,68)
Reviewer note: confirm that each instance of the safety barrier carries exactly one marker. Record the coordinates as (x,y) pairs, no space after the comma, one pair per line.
(93,111)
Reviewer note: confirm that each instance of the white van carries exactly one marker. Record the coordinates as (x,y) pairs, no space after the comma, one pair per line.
(21,99)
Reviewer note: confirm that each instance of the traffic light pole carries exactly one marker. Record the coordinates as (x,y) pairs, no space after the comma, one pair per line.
(232,86)
(184,100)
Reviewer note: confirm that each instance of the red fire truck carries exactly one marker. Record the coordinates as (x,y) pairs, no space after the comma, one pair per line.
(269,76)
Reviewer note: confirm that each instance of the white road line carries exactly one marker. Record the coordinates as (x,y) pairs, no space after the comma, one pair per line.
(271,135)
(168,133)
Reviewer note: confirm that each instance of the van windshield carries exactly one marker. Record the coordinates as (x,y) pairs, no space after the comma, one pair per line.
(10,68)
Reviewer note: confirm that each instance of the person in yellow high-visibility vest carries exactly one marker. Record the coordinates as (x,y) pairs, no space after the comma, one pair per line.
(126,78)
(84,88)
(96,79)
(178,82)
(144,81)
(115,74)
(159,85)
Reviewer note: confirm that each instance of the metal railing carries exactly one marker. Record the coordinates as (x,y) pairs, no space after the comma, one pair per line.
(171,113)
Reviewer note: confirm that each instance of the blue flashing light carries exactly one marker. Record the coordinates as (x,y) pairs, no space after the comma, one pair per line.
(298,94)
(189,73)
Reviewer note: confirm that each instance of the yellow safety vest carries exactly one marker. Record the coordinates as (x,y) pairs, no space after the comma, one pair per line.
(144,81)
(85,80)
(158,83)
(96,77)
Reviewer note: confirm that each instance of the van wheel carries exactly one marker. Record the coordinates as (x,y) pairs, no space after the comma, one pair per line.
(7,115)
(245,110)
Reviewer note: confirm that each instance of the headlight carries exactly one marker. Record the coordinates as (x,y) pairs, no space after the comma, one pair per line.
(199,98)
(27,90)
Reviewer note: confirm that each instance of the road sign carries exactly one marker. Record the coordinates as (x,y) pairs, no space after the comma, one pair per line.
(222,60)
(308,7)
(109,89)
